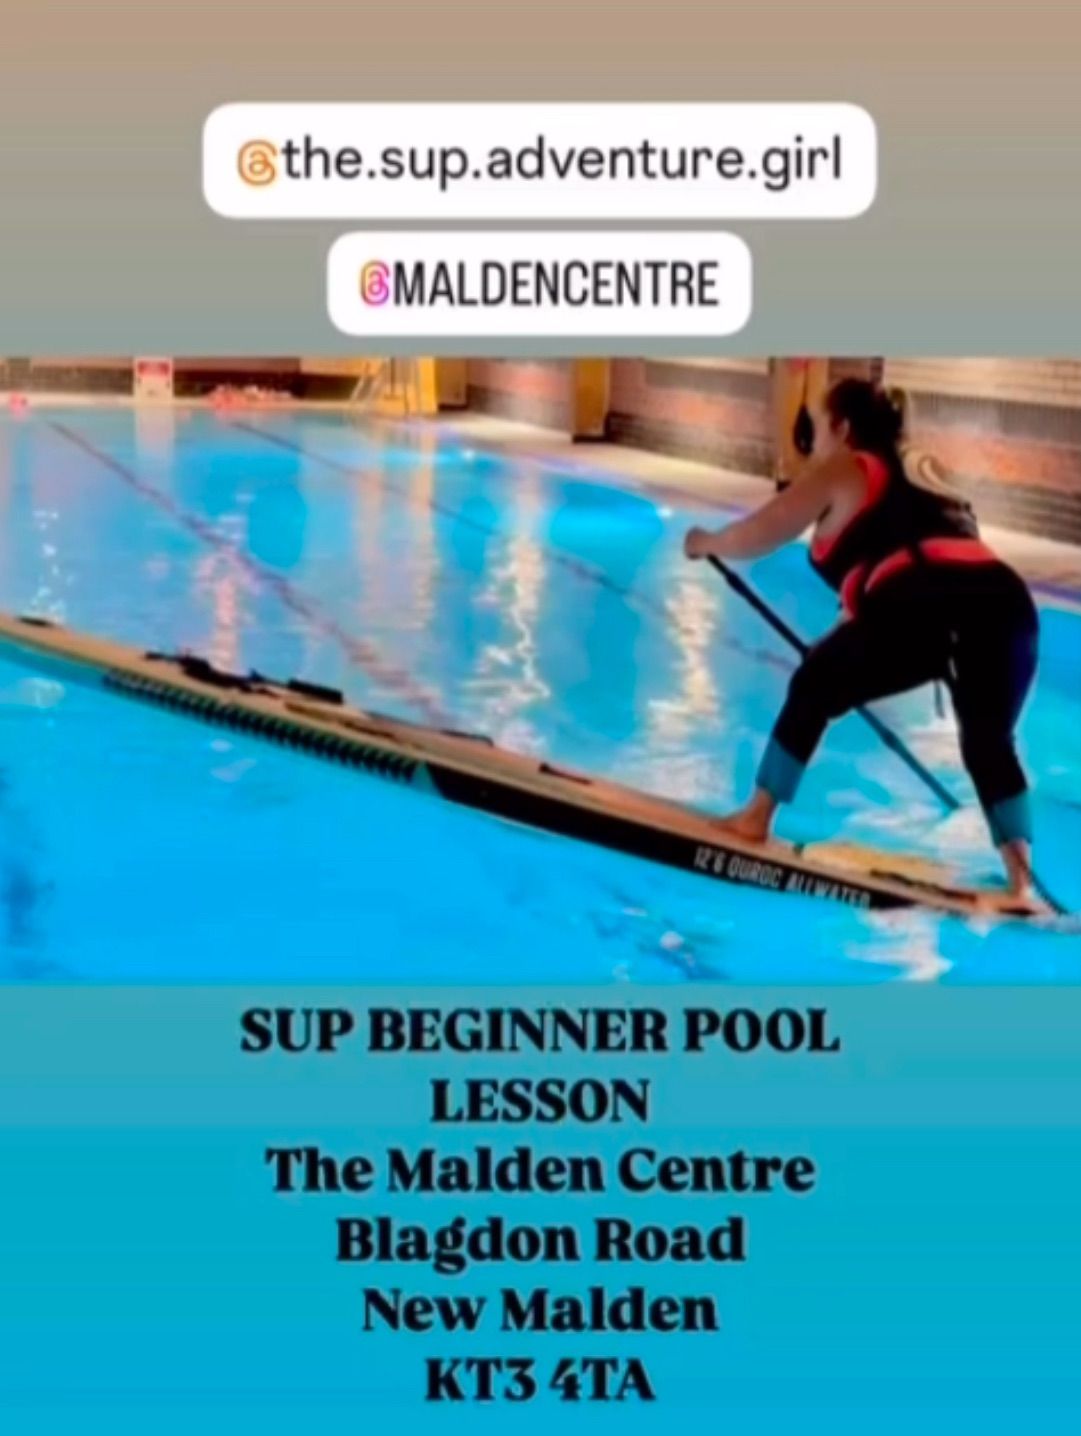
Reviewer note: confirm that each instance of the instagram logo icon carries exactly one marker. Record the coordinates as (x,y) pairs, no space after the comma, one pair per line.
(375,282)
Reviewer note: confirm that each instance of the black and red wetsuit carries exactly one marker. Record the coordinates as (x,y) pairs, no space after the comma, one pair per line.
(925,600)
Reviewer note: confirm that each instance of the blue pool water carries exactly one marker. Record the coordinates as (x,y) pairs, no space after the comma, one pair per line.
(550,609)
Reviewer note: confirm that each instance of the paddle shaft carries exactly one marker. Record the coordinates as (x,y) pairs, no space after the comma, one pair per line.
(884,733)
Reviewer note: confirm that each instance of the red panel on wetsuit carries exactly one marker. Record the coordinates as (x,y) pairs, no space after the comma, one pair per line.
(934,550)
(852,588)
(877,474)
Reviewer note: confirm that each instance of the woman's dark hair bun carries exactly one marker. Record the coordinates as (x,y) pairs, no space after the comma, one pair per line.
(876,417)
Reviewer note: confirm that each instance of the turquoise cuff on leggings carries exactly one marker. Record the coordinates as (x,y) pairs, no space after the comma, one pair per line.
(779,773)
(1011,820)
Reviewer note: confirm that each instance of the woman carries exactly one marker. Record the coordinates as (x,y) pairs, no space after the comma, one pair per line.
(924,600)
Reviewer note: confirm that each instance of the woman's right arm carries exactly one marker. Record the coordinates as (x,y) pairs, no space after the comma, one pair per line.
(779,521)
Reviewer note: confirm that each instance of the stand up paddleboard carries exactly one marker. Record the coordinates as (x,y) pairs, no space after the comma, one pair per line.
(469,770)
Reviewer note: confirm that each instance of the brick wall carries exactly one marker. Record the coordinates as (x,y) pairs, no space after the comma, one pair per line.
(716,412)
(537,393)
(193,377)
(112,376)
(1010,432)
(1055,383)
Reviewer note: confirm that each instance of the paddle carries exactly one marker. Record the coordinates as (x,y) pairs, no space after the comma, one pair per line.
(803,430)
(884,733)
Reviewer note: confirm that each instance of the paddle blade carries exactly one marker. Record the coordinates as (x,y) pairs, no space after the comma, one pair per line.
(803,432)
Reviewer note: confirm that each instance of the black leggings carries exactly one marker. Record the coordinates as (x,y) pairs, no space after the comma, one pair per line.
(973,628)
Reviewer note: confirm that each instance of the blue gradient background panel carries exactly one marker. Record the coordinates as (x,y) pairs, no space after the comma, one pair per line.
(150,1279)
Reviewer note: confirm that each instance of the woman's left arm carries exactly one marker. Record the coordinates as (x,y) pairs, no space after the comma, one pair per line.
(778,522)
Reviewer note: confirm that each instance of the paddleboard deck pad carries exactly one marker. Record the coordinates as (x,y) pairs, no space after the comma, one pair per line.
(469,770)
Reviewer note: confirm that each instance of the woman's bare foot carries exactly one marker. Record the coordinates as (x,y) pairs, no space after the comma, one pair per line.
(752,822)
(1017,860)
(1012,904)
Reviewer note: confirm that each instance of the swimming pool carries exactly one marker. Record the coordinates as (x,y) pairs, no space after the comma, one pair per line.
(548,608)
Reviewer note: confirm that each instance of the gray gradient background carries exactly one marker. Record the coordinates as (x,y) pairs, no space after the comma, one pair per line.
(973,246)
